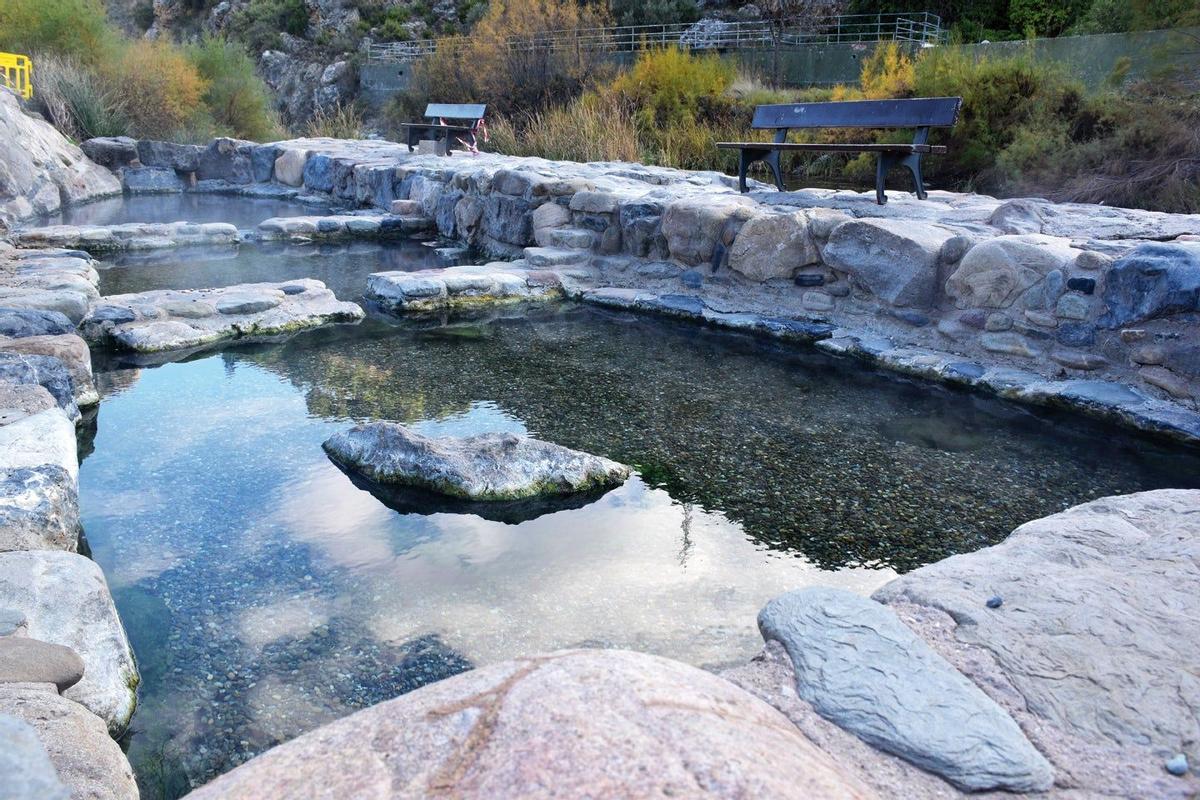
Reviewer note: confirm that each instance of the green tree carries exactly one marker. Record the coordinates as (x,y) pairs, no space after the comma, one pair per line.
(654,12)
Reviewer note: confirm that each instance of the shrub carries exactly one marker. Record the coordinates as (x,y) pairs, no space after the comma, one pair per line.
(1044,17)
(75,100)
(486,67)
(887,72)
(237,99)
(585,130)
(654,12)
(260,23)
(340,122)
(160,89)
(74,28)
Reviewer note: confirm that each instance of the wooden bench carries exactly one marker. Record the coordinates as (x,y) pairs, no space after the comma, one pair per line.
(920,113)
(439,130)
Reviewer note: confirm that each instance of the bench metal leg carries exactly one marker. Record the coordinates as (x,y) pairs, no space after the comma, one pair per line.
(887,161)
(747,156)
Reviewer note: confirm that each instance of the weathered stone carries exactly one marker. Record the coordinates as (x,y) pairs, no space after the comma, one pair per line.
(67,602)
(569,724)
(18,323)
(113,152)
(42,171)
(1012,344)
(72,351)
(1041,318)
(169,155)
(225,159)
(151,180)
(1169,382)
(1076,359)
(863,669)
(25,765)
(1073,306)
(42,370)
(39,509)
(996,272)
(693,226)
(817,301)
(1082,285)
(594,202)
(289,167)
(248,302)
(484,467)
(1099,621)
(546,218)
(896,261)
(773,246)
(1091,260)
(508,220)
(1018,217)
(1076,334)
(1155,280)
(262,161)
(26,660)
(84,756)
(21,400)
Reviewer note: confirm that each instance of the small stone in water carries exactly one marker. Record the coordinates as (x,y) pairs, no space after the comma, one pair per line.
(1177,764)
(995,601)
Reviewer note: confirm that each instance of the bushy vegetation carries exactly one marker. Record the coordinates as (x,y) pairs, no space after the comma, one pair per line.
(260,23)
(654,12)
(89,80)
(340,122)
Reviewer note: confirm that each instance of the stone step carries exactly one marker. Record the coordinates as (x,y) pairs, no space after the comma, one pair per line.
(555,256)
(578,238)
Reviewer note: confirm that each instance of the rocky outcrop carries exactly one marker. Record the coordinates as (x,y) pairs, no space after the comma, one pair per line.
(40,171)
(862,669)
(568,724)
(1096,624)
(490,466)
(169,320)
(66,601)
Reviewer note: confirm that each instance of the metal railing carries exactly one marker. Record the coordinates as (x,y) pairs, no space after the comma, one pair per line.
(16,72)
(708,34)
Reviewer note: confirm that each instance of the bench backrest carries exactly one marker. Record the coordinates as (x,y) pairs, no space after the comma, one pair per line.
(470,111)
(920,112)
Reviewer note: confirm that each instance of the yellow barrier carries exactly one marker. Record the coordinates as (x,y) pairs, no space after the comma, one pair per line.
(16,72)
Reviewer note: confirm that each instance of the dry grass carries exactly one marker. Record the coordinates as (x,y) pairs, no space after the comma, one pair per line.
(582,131)
(339,122)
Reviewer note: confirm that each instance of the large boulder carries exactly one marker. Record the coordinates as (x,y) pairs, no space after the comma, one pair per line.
(490,466)
(863,669)
(896,260)
(84,756)
(21,400)
(44,371)
(40,171)
(1154,280)
(39,438)
(773,246)
(581,723)
(17,323)
(39,509)
(1099,620)
(289,166)
(169,155)
(113,152)
(227,160)
(996,272)
(695,226)
(66,601)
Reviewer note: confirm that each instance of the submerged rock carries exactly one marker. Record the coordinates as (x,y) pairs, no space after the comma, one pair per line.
(166,320)
(576,723)
(863,669)
(490,466)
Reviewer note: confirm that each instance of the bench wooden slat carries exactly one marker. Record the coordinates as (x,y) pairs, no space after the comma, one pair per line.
(920,112)
(837,147)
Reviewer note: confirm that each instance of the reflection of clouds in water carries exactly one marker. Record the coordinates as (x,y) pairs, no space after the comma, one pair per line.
(634,569)
(294,617)
(481,417)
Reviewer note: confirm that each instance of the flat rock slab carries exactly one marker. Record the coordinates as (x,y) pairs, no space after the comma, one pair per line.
(44,437)
(128,236)
(25,765)
(863,669)
(17,323)
(498,282)
(84,756)
(25,660)
(166,320)
(343,226)
(72,351)
(583,723)
(490,466)
(1100,619)
(66,601)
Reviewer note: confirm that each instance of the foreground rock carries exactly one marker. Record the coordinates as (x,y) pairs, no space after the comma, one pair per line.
(342,226)
(72,351)
(861,668)
(52,282)
(66,601)
(490,466)
(25,765)
(1099,620)
(464,286)
(45,371)
(579,723)
(166,320)
(39,509)
(42,170)
(86,759)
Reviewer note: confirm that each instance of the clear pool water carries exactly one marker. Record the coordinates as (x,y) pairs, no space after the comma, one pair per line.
(266,593)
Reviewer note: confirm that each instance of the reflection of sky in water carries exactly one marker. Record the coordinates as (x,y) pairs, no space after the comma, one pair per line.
(250,539)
